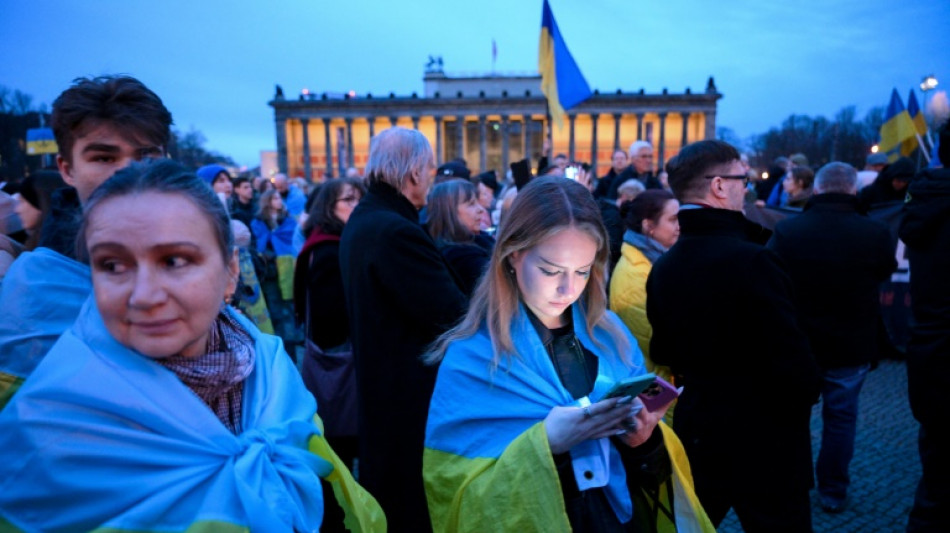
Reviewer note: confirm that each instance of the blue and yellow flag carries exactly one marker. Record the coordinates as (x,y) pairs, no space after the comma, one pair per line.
(40,141)
(920,125)
(916,114)
(897,127)
(561,79)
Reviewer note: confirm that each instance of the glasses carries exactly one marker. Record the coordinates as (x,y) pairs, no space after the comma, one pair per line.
(351,200)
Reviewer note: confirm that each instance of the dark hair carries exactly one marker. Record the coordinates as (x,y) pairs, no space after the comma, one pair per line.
(443,202)
(124,102)
(166,177)
(321,214)
(37,189)
(688,169)
(805,176)
(239,180)
(648,205)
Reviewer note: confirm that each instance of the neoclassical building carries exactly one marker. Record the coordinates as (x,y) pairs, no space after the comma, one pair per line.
(488,120)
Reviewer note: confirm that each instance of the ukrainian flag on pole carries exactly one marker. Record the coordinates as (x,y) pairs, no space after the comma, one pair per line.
(40,141)
(561,79)
(920,126)
(897,127)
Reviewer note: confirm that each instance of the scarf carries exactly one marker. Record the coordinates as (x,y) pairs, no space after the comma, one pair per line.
(649,247)
(217,377)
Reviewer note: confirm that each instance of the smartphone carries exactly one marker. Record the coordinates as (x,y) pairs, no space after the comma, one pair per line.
(631,387)
(658,394)
(570,173)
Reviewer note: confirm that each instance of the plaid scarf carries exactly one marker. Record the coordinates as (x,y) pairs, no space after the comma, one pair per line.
(217,377)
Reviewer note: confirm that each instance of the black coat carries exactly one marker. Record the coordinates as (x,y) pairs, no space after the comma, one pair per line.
(723,320)
(926,232)
(837,258)
(400,296)
(468,260)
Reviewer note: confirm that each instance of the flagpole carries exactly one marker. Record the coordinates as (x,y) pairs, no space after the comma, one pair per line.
(923,149)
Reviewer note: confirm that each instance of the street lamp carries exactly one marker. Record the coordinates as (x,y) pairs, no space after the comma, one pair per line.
(928,84)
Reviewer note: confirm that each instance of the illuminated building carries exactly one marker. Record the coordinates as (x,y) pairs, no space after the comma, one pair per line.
(488,120)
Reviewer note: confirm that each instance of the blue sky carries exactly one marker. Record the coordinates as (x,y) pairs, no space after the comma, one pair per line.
(215,63)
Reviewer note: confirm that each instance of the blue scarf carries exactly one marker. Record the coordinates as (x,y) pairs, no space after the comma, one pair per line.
(650,248)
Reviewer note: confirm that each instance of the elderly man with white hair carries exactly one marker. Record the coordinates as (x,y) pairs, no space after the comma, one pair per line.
(400,296)
(640,169)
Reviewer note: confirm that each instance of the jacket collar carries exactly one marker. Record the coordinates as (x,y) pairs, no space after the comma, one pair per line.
(721,222)
(833,201)
(386,196)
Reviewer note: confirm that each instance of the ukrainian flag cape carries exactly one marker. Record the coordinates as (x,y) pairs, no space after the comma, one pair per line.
(40,298)
(487,458)
(281,239)
(101,438)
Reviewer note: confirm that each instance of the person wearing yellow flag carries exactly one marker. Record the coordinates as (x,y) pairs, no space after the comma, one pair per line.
(522,432)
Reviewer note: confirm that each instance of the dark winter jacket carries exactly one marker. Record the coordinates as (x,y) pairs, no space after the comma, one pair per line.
(926,232)
(318,282)
(724,322)
(837,258)
(61,225)
(468,260)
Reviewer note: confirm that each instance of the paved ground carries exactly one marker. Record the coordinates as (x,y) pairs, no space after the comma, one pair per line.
(885,469)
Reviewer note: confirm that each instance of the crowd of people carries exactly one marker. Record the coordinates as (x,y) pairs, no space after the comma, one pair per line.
(420,348)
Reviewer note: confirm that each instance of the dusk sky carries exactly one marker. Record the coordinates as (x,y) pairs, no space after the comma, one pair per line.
(215,63)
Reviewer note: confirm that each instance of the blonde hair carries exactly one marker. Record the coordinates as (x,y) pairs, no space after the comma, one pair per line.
(543,208)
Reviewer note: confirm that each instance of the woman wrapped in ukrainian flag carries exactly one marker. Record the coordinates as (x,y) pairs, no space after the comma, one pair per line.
(519,437)
(162,409)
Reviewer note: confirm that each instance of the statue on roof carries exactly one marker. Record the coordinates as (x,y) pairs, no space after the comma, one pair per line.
(434,64)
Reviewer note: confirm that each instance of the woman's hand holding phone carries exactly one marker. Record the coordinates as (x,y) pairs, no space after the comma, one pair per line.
(568,426)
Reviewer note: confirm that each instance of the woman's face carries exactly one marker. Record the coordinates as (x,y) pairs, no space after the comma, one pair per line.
(470,214)
(666,229)
(485,195)
(345,204)
(157,273)
(29,215)
(790,184)
(276,202)
(552,275)
(222,184)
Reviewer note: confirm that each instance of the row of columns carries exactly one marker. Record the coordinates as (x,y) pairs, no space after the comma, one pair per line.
(460,138)
(616,116)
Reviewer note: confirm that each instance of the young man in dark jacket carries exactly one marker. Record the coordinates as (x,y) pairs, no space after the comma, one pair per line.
(723,320)
(837,258)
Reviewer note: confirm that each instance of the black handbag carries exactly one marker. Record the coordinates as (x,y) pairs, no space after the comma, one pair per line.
(330,375)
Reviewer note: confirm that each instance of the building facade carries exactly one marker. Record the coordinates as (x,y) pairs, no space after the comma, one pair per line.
(487,120)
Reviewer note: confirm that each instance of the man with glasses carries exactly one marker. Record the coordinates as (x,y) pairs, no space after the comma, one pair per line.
(723,320)
(640,169)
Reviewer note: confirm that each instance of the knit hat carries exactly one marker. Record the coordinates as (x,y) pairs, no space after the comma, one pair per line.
(209,172)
